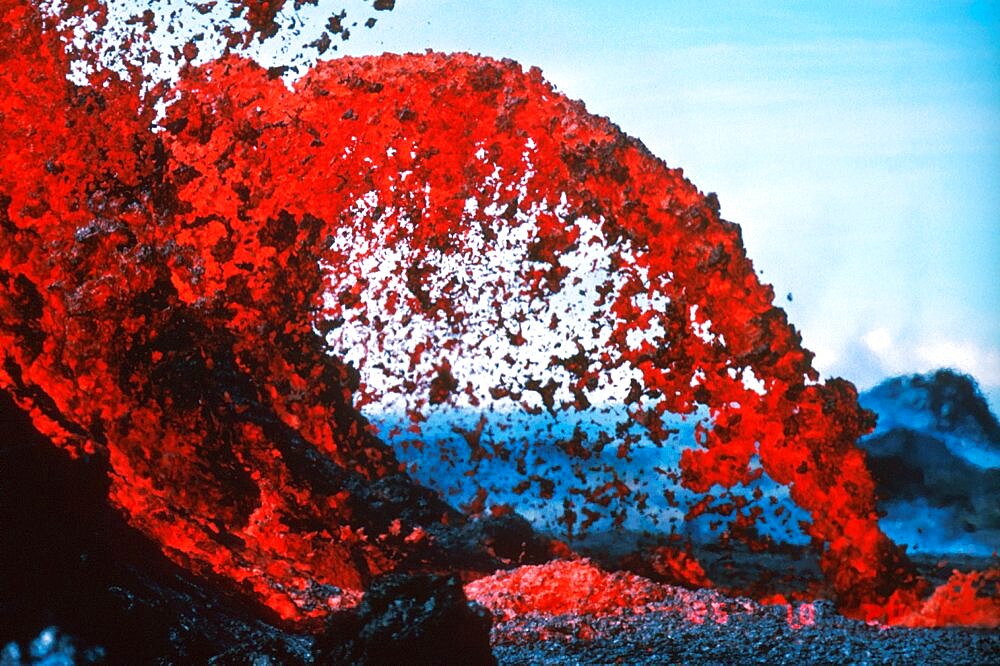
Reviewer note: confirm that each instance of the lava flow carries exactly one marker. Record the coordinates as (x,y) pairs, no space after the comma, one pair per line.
(205,298)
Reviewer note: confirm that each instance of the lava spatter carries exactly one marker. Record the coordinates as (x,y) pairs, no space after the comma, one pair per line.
(204,299)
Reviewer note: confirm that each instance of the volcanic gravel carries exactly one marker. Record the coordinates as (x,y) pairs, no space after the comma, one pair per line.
(761,636)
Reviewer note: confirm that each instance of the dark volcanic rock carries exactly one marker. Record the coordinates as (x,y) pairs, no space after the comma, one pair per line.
(944,402)
(936,449)
(763,636)
(76,580)
(910,465)
(410,620)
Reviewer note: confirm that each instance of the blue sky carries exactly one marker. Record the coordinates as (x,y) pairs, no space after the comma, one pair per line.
(857,144)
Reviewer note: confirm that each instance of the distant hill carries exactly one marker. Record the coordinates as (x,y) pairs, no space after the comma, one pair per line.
(935,456)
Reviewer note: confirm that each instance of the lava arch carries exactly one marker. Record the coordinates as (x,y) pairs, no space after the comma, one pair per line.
(171,289)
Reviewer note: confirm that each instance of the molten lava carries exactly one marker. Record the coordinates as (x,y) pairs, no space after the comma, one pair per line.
(167,284)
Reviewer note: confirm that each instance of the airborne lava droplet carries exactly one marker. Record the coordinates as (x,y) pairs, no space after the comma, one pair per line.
(471,239)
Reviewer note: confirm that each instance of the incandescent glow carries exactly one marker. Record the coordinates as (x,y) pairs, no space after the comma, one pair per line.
(183,287)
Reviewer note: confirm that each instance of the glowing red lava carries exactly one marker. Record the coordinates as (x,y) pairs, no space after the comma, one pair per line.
(161,283)
(573,587)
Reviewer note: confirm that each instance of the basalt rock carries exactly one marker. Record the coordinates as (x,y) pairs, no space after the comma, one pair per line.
(404,619)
